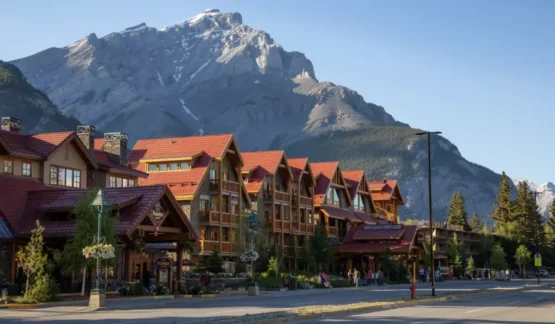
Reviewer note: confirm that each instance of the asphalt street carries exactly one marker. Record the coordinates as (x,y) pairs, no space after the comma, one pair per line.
(532,307)
(187,310)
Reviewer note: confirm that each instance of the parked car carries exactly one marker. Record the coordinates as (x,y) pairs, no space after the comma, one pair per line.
(542,273)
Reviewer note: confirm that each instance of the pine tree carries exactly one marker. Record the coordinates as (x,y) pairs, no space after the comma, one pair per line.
(551,218)
(502,211)
(470,265)
(550,237)
(457,212)
(497,260)
(476,224)
(535,223)
(321,247)
(455,253)
(523,257)
(520,214)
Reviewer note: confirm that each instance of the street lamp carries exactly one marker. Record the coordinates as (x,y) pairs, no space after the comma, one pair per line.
(98,203)
(428,134)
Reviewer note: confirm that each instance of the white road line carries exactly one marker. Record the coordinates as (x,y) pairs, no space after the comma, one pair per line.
(515,302)
(474,310)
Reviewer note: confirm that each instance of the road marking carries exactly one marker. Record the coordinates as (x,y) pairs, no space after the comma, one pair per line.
(474,310)
(515,302)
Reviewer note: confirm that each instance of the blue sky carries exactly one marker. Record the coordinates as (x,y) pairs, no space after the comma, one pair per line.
(483,72)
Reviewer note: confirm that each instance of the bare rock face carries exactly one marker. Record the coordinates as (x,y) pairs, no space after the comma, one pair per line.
(208,74)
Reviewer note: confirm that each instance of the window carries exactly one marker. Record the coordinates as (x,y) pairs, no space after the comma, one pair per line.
(117,182)
(332,197)
(285,213)
(26,171)
(212,174)
(234,205)
(8,166)
(169,166)
(359,203)
(65,177)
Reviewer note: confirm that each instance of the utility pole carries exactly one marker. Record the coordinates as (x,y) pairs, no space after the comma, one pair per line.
(432,274)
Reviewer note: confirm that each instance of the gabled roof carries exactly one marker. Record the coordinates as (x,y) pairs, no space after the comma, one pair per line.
(41,146)
(354,178)
(382,190)
(260,164)
(105,160)
(214,146)
(133,203)
(298,166)
(372,239)
(323,173)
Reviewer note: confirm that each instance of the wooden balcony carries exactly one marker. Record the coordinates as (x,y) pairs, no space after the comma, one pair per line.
(208,246)
(209,217)
(226,218)
(226,247)
(282,196)
(235,220)
(286,226)
(310,229)
(333,231)
(277,225)
(267,196)
(302,228)
(214,184)
(305,201)
(231,186)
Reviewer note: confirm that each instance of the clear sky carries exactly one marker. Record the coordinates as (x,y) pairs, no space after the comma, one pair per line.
(483,72)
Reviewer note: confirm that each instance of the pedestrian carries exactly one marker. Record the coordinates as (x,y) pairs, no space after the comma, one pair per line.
(146,279)
(326,281)
(437,274)
(369,278)
(474,274)
(356,277)
(380,277)
(487,274)
(350,276)
(421,273)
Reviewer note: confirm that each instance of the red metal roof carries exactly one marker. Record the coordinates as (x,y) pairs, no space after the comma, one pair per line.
(377,235)
(382,190)
(403,245)
(297,167)
(367,219)
(260,164)
(353,178)
(213,145)
(323,173)
(104,159)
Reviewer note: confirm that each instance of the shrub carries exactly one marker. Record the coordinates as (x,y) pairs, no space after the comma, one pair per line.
(44,289)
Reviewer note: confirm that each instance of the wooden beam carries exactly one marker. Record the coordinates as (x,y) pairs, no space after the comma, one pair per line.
(161,229)
(231,151)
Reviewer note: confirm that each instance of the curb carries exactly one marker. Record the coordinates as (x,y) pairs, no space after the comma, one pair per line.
(197,296)
(22,306)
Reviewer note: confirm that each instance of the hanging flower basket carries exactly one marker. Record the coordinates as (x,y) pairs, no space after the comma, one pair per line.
(250,255)
(99,251)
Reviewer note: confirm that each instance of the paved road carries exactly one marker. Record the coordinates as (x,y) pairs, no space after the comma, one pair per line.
(187,310)
(532,307)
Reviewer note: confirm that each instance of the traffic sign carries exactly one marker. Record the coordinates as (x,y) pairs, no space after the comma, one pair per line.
(537,260)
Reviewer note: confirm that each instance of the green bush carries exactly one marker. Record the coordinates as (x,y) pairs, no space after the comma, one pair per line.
(44,289)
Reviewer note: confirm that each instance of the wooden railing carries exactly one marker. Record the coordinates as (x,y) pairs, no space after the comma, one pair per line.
(302,227)
(214,217)
(310,228)
(277,224)
(226,247)
(208,246)
(204,216)
(214,184)
(306,201)
(282,196)
(231,186)
(286,225)
(267,195)
(226,218)
(235,219)
(332,231)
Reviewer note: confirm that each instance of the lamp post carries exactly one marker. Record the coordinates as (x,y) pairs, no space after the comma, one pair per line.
(428,135)
(98,203)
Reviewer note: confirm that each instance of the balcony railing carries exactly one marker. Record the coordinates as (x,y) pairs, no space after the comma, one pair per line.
(231,186)
(267,195)
(226,247)
(226,218)
(214,184)
(306,201)
(282,196)
(207,217)
(208,246)
(333,231)
(277,224)
(235,220)
(302,227)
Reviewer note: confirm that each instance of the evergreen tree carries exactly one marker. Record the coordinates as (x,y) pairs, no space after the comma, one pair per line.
(535,223)
(455,253)
(487,243)
(386,262)
(551,217)
(550,238)
(306,255)
(321,247)
(508,230)
(457,212)
(520,213)
(476,224)
(502,211)
(32,258)
(497,260)
(523,257)
(470,266)
(213,263)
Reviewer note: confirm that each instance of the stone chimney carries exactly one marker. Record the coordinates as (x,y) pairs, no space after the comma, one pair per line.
(11,124)
(116,144)
(86,135)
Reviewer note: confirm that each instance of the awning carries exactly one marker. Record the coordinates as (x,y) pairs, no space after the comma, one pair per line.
(5,232)
(342,214)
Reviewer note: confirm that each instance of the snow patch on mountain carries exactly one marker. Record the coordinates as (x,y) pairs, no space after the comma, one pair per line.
(189,112)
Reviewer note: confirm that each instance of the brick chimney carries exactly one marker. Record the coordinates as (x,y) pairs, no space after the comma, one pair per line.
(116,144)
(11,124)
(86,135)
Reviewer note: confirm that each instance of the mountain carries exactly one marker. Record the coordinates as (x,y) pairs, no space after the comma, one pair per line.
(214,74)
(20,100)
(544,194)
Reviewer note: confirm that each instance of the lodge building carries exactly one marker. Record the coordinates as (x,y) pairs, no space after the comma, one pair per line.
(172,193)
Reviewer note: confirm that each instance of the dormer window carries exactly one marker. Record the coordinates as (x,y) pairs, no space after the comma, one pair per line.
(8,166)
(333,197)
(169,166)
(358,202)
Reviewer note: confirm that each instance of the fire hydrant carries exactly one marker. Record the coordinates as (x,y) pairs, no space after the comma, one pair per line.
(413,291)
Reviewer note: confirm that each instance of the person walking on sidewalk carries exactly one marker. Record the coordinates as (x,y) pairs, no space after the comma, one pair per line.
(438,274)
(350,276)
(421,273)
(369,278)
(380,277)
(356,277)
